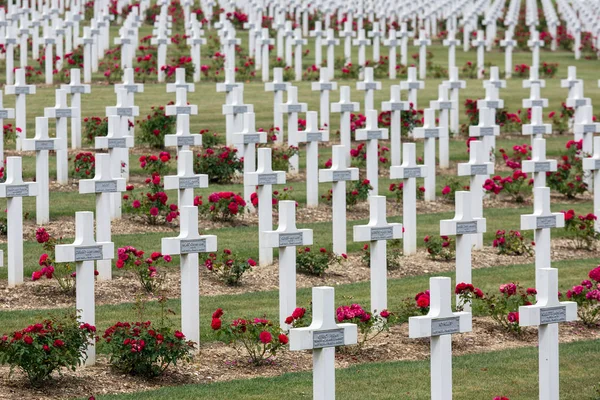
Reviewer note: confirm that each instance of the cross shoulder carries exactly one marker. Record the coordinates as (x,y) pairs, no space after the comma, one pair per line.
(85,247)
(378,228)
(287,235)
(189,240)
(14,186)
(463,222)
(103,181)
(542,217)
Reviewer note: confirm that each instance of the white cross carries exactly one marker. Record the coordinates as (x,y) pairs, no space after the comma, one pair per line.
(247,140)
(412,85)
(534,79)
(324,86)
(534,44)
(571,81)
(391,43)
(21,90)
(539,165)
(372,133)
(495,79)
(298,42)
(84,251)
(5,113)
(592,164)
(443,104)
(395,106)
(126,44)
(124,110)
(286,238)
(362,42)
(369,86)
(585,127)
(378,231)
(161,41)
(322,336)
(61,112)
(439,324)
(480,44)
(292,108)
(348,33)
(422,42)
(76,88)
(312,135)
(188,244)
(278,86)
(88,42)
(486,130)
(183,139)
(547,313)
(228,87)
(41,144)
(196,41)
(186,180)
(265,42)
(265,178)
(451,42)
(345,107)
(236,109)
(288,34)
(509,44)
(376,34)
(181,105)
(104,185)
(541,221)
(537,129)
(463,223)
(331,42)
(577,101)
(180,82)
(454,85)
(408,171)
(404,34)
(49,41)
(430,132)
(9,42)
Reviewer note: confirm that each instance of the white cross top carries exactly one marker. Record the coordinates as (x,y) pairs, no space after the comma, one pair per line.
(338,171)
(535,40)
(345,104)
(75,85)
(454,82)
(534,79)
(84,247)
(491,99)
(180,82)
(542,217)
(287,235)
(20,86)
(443,102)
(238,106)
(264,174)
(585,122)
(292,105)
(537,127)
(278,84)
(181,105)
(378,228)
(331,40)
(538,162)
(361,40)
(486,126)
(440,320)
(429,130)
(409,167)
(14,186)
(411,81)
(463,222)
(495,78)
(548,309)
(129,83)
(312,133)
(480,40)
(324,83)
(115,138)
(249,134)
(478,161)
(451,39)
(182,136)
(395,104)
(123,109)
(371,130)
(103,181)
(576,101)
(229,84)
(189,241)
(534,99)
(369,83)
(422,40)
(391,40)
(61,109)
(186,178)
(571,78)
(41,140)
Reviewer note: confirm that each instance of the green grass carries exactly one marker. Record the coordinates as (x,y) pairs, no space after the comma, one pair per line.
(512,373)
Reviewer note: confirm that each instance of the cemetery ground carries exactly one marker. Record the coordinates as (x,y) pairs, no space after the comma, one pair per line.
(487,361)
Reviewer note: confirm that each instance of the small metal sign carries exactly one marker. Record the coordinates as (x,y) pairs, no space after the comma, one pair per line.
(105,186)
(479,169)
(374,135)
(329,338)
(290,239)
(445,105)
(580,102)
(538,129)
(589,128)
(22,90)
(230,86)
(486,131)
(545,222)
(326,86)
(492,104)
(118,143)
(131,88)
(17,190)
(398,106)
(44,145)
(347,107)
(267,179)
(445,326)
(185,110)
(553,315)
(431,133)
(414,85)
(46,40)
(414,172)
(314,137)
(537,103)
(189,183)
(341,176)
(370,86)
(386,233)
(294,108)
(240,109)
(465,228)
(3,114)
(250,138)
(88,253)
(185,140)
(63,113)
(124,112)
(597,164)
(455,85)
(191,246)
(279,87)
(541,166)
(77,89)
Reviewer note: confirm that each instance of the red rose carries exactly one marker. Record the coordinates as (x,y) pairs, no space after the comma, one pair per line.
(179,335)
(283,339)
(251,262)
(58,343)
(265,337)
(218,313)
(298,313)
(28,339)
(215,324)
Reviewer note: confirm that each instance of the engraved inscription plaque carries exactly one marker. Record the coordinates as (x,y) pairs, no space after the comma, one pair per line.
(414,172)
(382,233)
(546,222)
(290,239)
(118,143)
(186,140)
(329,338)
(105,186)
(445,326)
(479,169)
(17,190)
(267,179)
(553,315)
(341,176)
(191,246)
(464,228)
(541,167)
(189,183)
(44,145)
(88,253)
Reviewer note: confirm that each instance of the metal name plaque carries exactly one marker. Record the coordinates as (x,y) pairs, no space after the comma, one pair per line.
(161,41)
(455,85)
(189,183)
(541,167)
(185,140)
(326,86)
(3,114)
(397,106)
(183,110)
(119,143)
(267,179)
(537,103)
(290,239)
(370,86)
(63,113)
(538,129)
(279,87)
(44,145)
(124,112)
(197,41)
(294,108)
(414,172)
(131,88)
(414,85)
(17,190)
(105,186)
(374,135)
(464,228)
(589,128)
(431,133)
(230,86)
(77,89)
(341,176)
(545,222)
(382,233)
(46,41)
(88,41)
(597,164)
(330,338)
(125,41)
(445,326)
(445,105)
(22,90)
(88,253)
(240,109)
(580,102)
(251,138)
(553,315)
(314,137)
(347,107)
(486,131)
(492,104)
(479,169)
(192,246)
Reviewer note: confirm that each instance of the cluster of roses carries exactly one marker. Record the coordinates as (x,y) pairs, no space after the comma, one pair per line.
(520,153)
(261,326)
(355,311)
(511,183)
(84,164)
(41,330)
(592,292)
(423,301)
(145,270)
(47,269)
(359,154)
(297,315)
(235,201)
(464,288)
(570,216)
(155,162)
(510,289)
(587,297)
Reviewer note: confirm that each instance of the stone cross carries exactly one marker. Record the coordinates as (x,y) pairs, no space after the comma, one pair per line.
(404,34)
(264,178)
(486,130)
(331,42)
(495,79)
(536,129)
(571,81)
(278,86)
(21,90)
(183,139)
(247,140)
(49,42)
(161,41)
(369,86)
(61,112)
(463,226)
(312,135)
(188,244)
(534,100)
(454,85)
(180,83)
(265,42)
(541,221)
(196,41)
(127,46)
(322,337)
(391,43)
(230,97)
(422,42)
(104,185)
(395,106)
(534,80)
(412,85)
(372,133)
(83,252)
(76,88)
(480,44)
(378,231)
(286,238)
(348,33)
(181,105)
(576,102)
(292,108)
(362,42)
(345,107)
(124,110)
(592,164)
(298,42)
(5,113)
(88,42)
(288,35)
(9,42)
(539,165)
(439,324)
(318,33)
(236,109)
(182,109)
(430,132)
(585,127)
(478,169)
(509,44)
(186,180)
(338,174)
(376,34)
(408,171)
(451,42)
(324,86)
(42,144)
(546,314)
(443,104)
(534,44)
